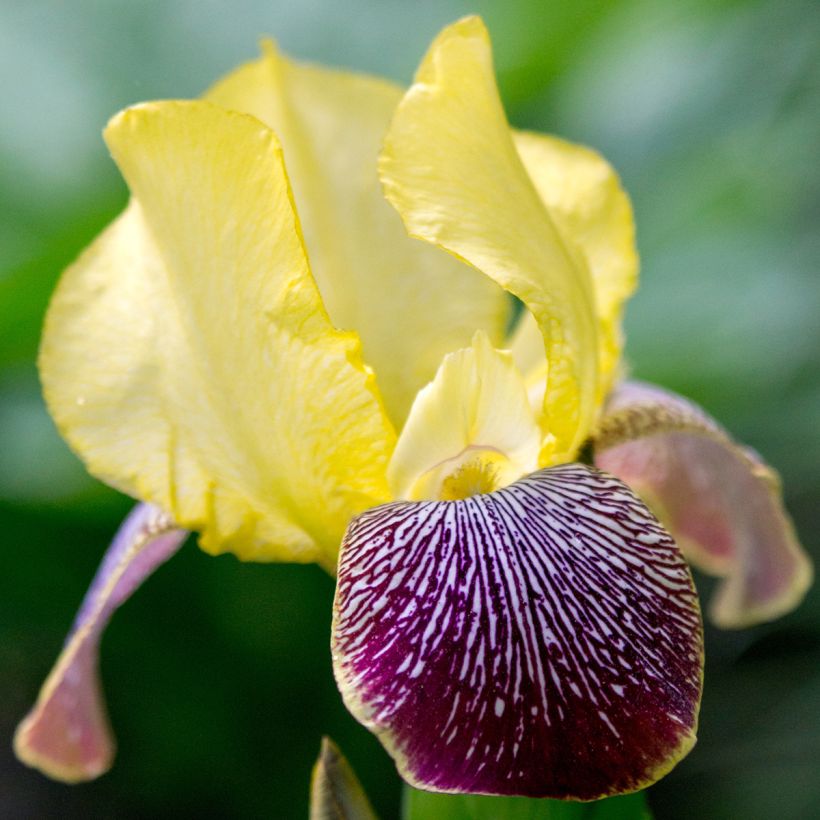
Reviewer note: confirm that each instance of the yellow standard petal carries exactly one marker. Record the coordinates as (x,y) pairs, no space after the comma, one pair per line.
(471,430)
(527,348)
(452,170)
(590,209)
(410,303)
(187,356)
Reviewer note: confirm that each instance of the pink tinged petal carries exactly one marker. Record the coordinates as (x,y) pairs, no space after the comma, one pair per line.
(543,640)
(67,734)
(720,501)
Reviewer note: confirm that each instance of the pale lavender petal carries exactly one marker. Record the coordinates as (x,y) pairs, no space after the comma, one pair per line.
(720,501)
(67,735)
(542,640)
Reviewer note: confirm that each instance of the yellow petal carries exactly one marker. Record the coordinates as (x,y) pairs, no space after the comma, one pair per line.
(410,303)
(590,209)
(187,356)
(470,430)
(451,169)
(527,348)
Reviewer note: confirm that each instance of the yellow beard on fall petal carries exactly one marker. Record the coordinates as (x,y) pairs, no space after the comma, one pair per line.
(471,430)
(473,478)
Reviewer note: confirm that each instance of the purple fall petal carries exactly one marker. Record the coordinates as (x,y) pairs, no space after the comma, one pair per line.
(542,640)
(719,500)
(66,735)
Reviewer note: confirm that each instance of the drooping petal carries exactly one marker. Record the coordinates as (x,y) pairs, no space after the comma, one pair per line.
(335,791)
(590,208)
(451,169)
(67,735)
(187,356)
(542,640)
(397,293)
(720,501)
(474,417)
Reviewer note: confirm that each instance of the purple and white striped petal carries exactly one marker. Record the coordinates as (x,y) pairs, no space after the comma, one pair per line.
(541,640)
(720,501)
(67,735)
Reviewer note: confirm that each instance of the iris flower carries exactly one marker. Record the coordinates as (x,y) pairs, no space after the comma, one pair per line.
(509,618)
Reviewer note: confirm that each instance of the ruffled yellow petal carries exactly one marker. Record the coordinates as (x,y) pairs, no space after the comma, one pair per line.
(410,303)
(470,430)
(187,356)
(590,208)
(451,169)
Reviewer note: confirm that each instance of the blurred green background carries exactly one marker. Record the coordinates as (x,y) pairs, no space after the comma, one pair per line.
(218,673)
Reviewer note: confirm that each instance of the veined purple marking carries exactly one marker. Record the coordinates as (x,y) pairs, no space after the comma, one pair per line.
(66,735)
(542,640)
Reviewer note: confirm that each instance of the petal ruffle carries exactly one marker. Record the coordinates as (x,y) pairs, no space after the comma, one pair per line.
(396,293)
(542,640)
(589,206)
(67,735)
(187,356)
(451,169)
(719,500)
(474,416)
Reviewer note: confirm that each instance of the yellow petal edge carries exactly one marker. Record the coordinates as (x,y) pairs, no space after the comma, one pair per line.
(585,198)
(409,302)
(451,169)
(187,356)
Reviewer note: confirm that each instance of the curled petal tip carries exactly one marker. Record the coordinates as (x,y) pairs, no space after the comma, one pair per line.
(720,501)
(543,640)
(67,735)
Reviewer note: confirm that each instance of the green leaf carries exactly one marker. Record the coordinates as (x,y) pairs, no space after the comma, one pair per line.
(335,791)
(419,805)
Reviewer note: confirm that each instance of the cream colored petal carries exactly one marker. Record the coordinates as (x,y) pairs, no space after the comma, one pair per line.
(451,169)
(471,429)
(590,208)
(527,348)
(187,356)
(409,303)
(721,503)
